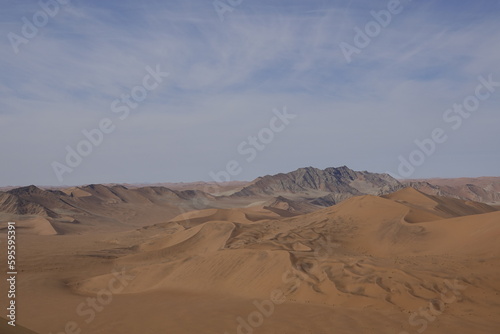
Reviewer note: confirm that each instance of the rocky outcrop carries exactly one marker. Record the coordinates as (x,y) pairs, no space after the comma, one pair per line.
(334,184)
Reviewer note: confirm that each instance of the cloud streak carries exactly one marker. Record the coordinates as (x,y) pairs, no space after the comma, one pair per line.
(226,77)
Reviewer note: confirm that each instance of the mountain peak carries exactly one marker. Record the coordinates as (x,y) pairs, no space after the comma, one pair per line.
(31,189)
(342,182)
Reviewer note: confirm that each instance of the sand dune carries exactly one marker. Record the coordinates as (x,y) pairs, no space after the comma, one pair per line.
(364,266)
(331,251)
(30,224)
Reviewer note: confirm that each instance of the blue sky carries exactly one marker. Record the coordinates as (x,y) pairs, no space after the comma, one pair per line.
(226,77)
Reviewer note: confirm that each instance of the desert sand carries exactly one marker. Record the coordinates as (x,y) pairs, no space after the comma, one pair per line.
(404,262)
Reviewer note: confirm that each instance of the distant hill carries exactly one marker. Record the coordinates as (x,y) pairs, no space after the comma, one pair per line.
(98,207)
(324,187)
(480,189)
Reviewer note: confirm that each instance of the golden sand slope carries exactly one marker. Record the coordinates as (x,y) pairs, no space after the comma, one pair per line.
(226,253)
(363,266)
(31,224)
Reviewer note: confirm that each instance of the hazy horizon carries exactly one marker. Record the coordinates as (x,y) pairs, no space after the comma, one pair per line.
(55,185)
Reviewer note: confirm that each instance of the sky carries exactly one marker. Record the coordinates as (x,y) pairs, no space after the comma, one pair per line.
(125,91)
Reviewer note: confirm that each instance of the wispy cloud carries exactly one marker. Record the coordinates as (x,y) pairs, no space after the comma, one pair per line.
(226,77)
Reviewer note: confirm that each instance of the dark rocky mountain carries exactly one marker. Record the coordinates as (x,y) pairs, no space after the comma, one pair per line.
(12,204)
(323,187)
(30,200)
